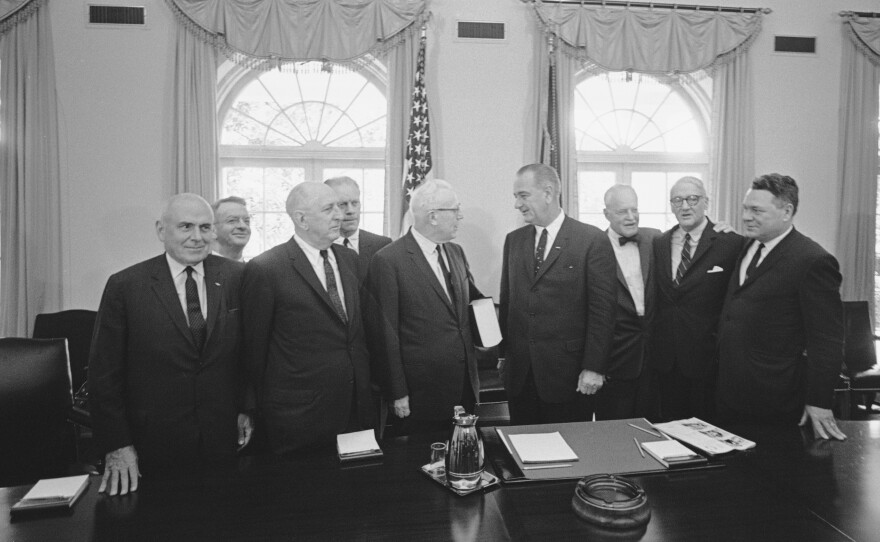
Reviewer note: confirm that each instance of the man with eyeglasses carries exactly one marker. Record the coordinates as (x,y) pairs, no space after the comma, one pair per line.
(232,224)
(419,288)
(351,235)
(694,263)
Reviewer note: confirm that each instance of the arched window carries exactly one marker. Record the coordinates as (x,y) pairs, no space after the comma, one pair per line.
(637,130)
(280,128)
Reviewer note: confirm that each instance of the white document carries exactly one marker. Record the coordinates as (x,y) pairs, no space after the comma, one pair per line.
(360,442)
(542,448)
(669,450)
(705,436)
(486,320)
(56,488)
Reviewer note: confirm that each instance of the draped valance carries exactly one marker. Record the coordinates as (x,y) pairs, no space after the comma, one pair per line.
(661,41)
(13,12)
(283,31)
(864,33)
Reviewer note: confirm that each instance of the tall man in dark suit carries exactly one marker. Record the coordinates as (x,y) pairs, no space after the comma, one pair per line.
(164,373)
(781,332)
(303,336)
(366,244)
(694,263)
(420,286)
(557,300)
(635,305)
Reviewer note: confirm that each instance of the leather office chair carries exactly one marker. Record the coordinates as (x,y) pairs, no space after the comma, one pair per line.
(77,327)
(860,355)
(35,398)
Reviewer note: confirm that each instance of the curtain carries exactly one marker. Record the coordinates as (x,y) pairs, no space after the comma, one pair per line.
(269,34)
(31,256)
(857,156)
(660,42)
(195,144)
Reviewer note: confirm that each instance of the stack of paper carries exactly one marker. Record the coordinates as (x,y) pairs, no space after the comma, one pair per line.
(542,448)
(53,493)
(671,453)
(361,444)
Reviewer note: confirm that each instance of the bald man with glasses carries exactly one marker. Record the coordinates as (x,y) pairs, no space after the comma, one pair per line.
(693,266)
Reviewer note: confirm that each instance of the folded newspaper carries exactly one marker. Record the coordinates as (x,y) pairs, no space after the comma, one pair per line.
(705,436)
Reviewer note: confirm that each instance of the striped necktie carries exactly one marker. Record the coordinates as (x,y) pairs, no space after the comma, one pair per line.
(685,259)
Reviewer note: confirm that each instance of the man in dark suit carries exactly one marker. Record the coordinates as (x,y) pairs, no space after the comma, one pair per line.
(164,372)
(366,244)
(557,300)
(635,304)
(694,262)
(420,287)
(303,336)
(781,332)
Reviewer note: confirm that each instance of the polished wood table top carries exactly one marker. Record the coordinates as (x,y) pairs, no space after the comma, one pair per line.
(789,488)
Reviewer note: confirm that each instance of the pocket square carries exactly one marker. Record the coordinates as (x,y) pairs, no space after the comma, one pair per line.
(715,269)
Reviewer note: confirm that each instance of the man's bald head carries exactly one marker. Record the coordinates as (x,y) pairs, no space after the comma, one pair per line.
(315,213)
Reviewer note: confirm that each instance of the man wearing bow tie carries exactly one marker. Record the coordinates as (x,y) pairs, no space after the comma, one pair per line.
(635,304)
(419,288)
(694,262)
(557,302)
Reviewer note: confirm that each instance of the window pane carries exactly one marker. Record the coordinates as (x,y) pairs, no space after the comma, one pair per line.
(592,186)
(265,190)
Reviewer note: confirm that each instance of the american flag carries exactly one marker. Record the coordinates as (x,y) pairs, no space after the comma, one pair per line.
(418,144)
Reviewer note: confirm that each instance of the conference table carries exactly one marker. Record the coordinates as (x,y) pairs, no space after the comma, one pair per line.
(790,487)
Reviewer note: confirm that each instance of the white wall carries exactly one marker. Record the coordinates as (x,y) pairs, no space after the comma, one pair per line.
(115,87)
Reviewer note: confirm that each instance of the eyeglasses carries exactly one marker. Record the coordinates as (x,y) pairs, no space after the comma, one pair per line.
(456,209)
(692,200)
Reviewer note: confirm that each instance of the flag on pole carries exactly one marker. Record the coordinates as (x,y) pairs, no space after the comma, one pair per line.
(550,139)
(418,144)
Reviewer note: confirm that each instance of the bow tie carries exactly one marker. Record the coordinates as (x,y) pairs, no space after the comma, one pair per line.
(624,240)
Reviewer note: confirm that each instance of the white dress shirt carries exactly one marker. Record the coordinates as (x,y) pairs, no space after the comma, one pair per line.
(178,274)
(750,253)
(317,261)
(678,242)
(429,249)
(352,241)
(630,262)
(552,231)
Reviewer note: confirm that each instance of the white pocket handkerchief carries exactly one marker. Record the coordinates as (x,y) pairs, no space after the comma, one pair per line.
(715,269)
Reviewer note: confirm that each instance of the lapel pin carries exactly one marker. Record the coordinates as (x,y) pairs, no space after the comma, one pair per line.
(216,284)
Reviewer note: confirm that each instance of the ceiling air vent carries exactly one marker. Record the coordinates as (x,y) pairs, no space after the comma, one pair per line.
(795,44)
(472,30)
(116,15)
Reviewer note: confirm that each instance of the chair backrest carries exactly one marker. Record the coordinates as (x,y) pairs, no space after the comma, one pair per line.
(35,398)
(76,326)
(859,350)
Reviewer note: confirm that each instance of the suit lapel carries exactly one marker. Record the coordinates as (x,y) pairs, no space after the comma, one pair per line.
(556,249)
(459,280)
(303,266)
(214,291)
(527,252)
(665,262)
(163,287)
(645,249)
(349,283)
(421,263)
(770,260)
(705,243)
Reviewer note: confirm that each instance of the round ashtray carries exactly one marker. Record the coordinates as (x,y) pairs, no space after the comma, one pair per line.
(611,501)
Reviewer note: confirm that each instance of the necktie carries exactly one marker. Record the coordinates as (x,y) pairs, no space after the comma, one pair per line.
(685,258)
(750,270)
(346,243)
(332,290)
(539,252)
(197,325)
(446,274)
(624,240)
